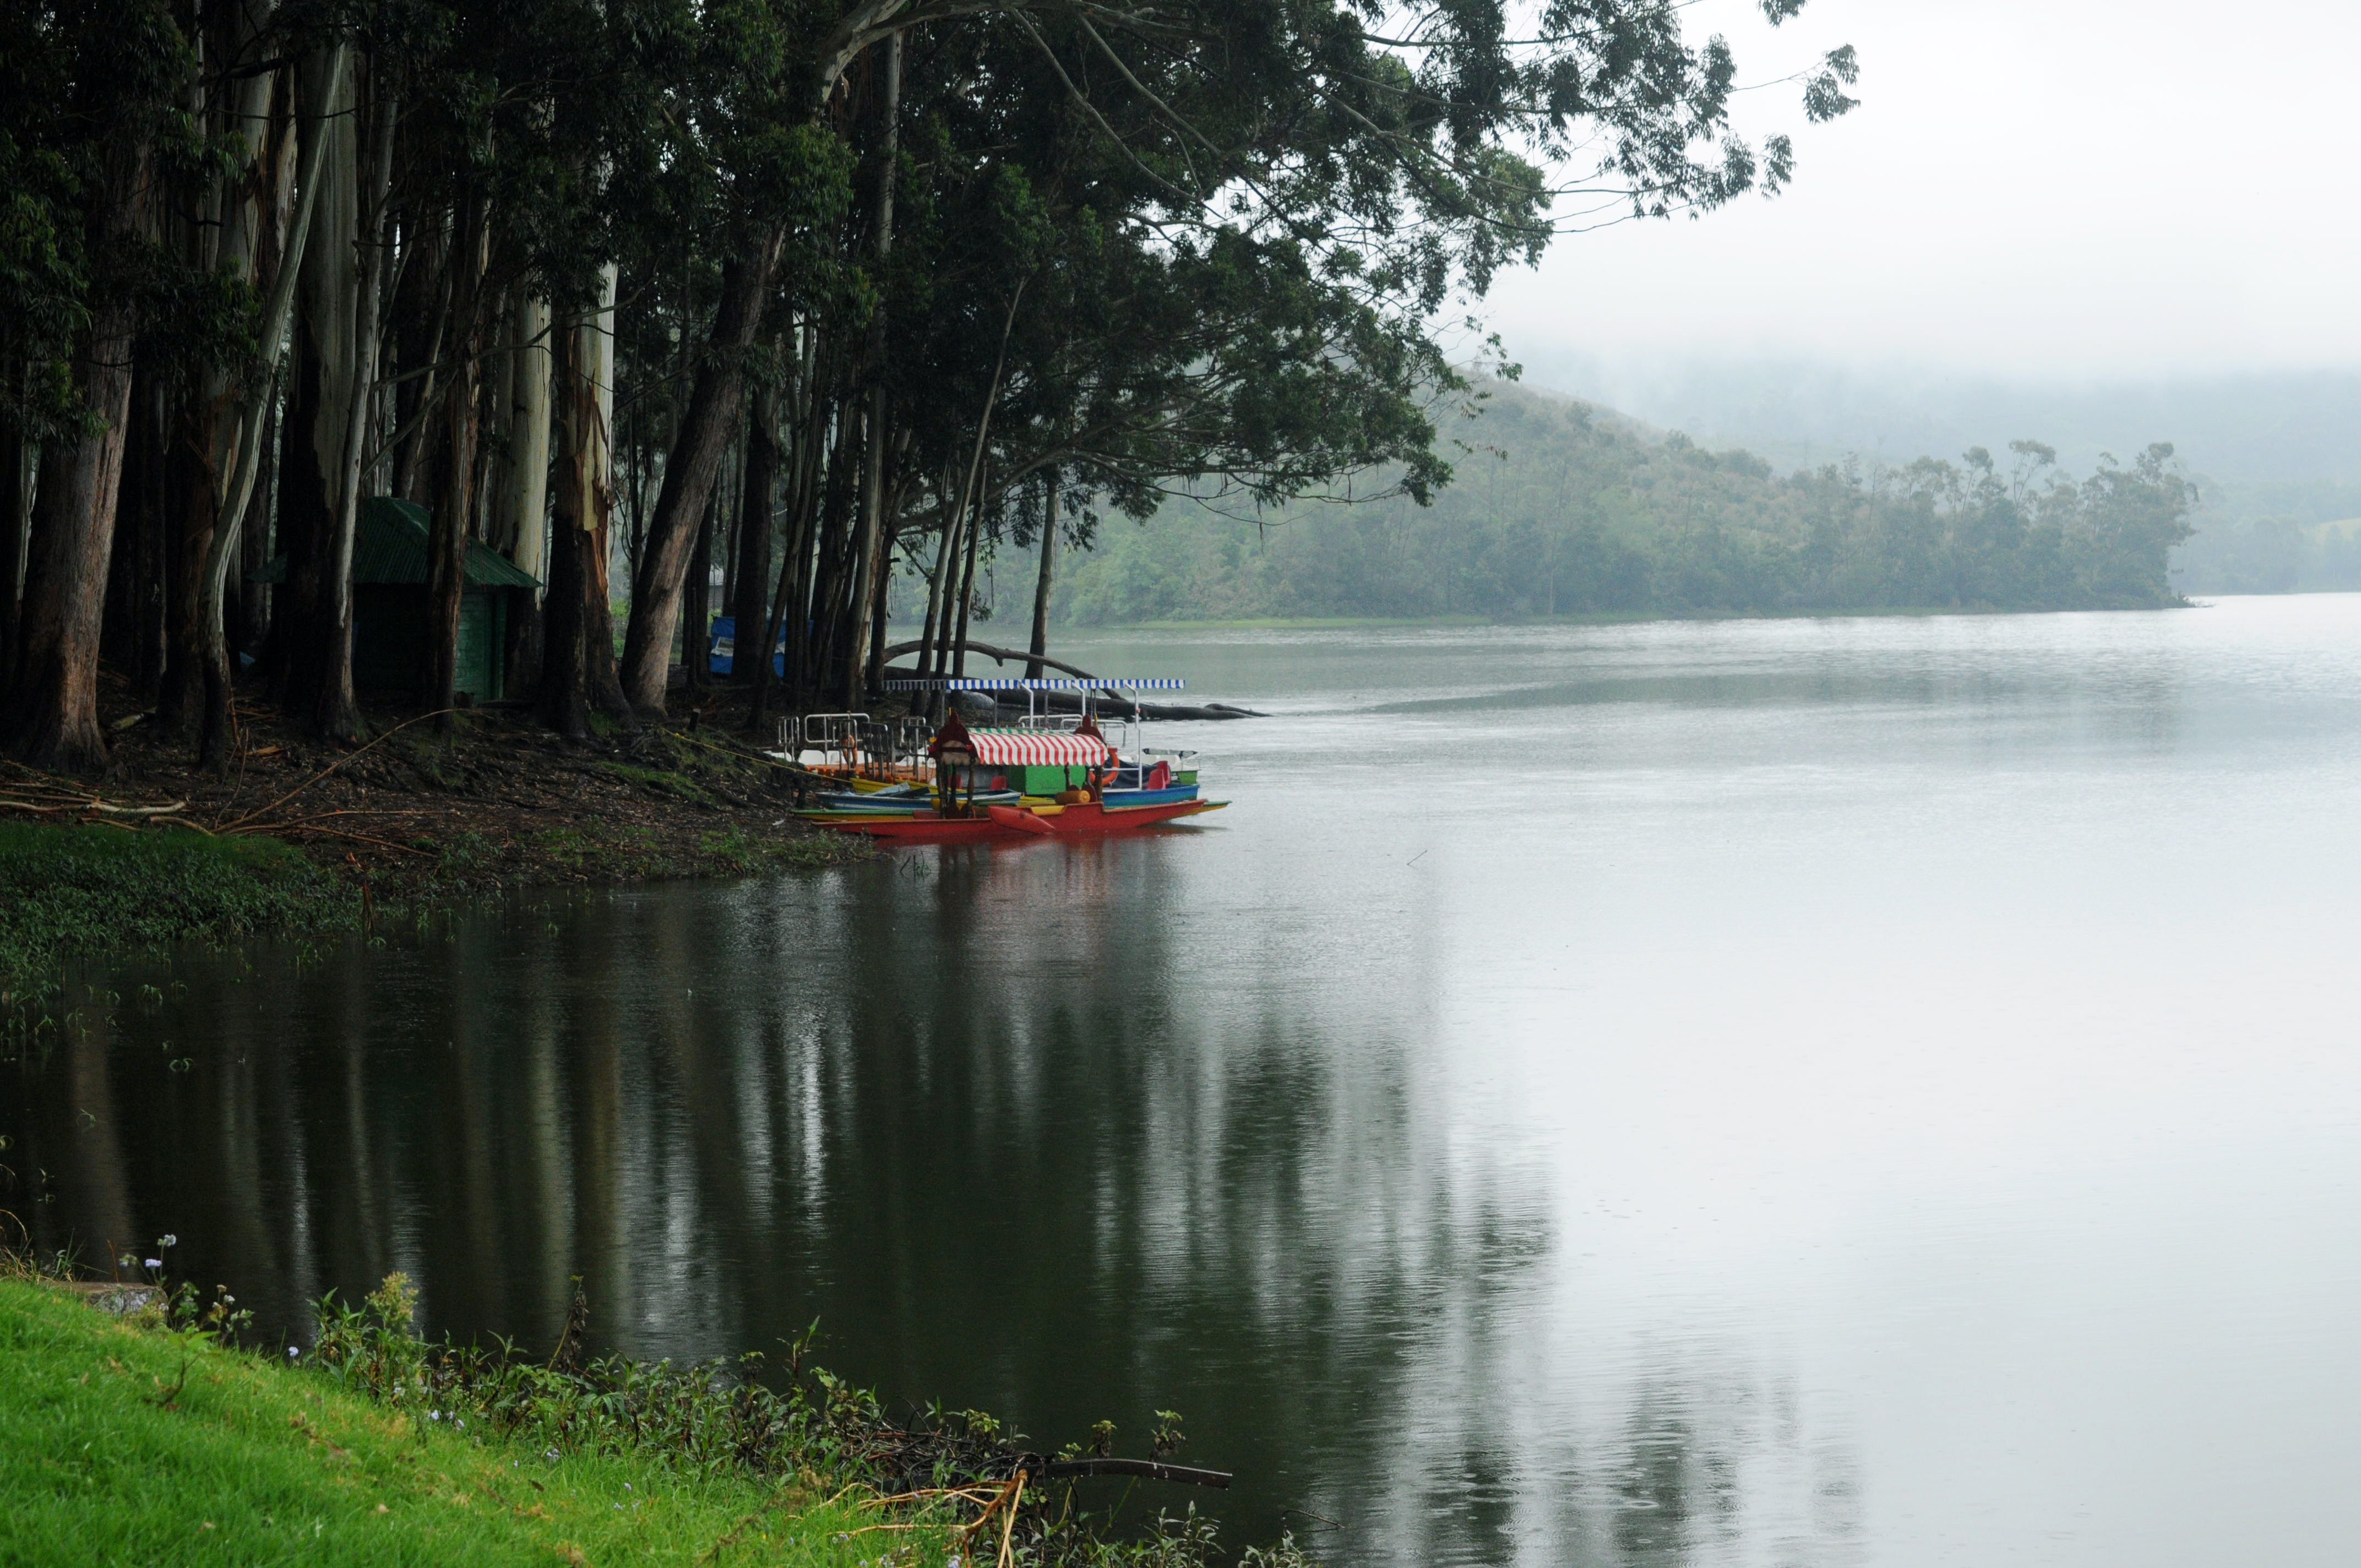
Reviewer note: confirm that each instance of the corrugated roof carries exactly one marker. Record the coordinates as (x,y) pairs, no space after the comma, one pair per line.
(390,546)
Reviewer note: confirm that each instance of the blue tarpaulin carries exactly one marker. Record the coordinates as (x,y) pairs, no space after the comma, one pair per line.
(722,649)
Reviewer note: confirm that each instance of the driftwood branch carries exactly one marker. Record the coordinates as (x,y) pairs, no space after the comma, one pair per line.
(1003,655)
(1149,1469)
(323,772)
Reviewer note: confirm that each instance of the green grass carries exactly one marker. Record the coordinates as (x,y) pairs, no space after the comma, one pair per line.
(254,1463)
(67,889)
(660,781)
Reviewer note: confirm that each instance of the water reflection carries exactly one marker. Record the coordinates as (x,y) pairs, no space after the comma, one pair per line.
(974,1111)
(1815,1093)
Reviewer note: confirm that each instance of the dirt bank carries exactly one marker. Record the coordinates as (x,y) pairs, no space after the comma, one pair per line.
(500,801)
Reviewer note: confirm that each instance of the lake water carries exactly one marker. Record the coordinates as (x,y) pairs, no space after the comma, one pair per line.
(1875,1091)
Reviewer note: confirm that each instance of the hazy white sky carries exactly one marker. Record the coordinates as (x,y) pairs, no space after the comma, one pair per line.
(2084,190)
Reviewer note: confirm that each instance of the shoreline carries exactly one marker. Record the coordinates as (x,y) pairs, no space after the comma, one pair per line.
(140,1418)
(1603,618)
(303,838)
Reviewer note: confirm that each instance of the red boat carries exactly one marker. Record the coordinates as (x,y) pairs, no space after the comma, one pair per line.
(1082,819)
(982,782)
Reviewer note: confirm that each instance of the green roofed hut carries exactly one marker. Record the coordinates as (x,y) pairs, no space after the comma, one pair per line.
(390,603)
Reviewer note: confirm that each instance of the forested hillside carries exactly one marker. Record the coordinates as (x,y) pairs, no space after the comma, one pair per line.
(2273,540)
(1558,508)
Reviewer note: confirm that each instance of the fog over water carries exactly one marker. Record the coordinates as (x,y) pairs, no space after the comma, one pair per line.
(2091,225)
(1872,1092)
(2068,191)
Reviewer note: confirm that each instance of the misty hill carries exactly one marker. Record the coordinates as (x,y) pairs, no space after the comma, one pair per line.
(1562,508)
(2275,455)
(2281,441)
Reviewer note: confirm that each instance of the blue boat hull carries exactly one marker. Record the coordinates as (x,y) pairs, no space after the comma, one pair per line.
(1118,799)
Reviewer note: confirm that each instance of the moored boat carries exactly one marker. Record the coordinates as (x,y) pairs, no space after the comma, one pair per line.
(1017,782)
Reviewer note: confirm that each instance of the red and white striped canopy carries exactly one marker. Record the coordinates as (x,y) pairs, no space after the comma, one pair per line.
(1038,749)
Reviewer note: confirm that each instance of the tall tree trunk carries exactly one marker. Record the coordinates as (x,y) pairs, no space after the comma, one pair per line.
(187,516)
(525,497)
(454,520)
(696,603)
(228,406)
(341,281)
(871,551)
(307,512)
(931,635)
(1041,585)
(749,605)
(967,591)
(16,520)
(578,674)
(963,518)
(252,620)
(840,533)
(564,691)
(133,634)
(337,715)
(53,707)
(873,655)
(236,473)
(691,471)
(778,627)
(421,313)
(789,619)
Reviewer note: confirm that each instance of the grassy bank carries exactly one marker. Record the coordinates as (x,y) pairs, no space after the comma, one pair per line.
(101,888)
(141,1434)
(123,1444)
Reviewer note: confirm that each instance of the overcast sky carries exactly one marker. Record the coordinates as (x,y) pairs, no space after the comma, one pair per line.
(2084,190)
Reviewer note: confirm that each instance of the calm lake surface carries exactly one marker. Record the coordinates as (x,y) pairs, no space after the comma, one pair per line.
(1875,1091)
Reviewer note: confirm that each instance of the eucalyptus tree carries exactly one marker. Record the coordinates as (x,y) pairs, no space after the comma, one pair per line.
(1390,168)
(44,280)
(114,75)
(521,264)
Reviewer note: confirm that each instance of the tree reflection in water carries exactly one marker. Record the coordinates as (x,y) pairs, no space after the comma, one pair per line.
(994,1119)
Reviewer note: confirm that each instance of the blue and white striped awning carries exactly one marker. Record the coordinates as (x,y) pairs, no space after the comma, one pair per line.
(962,683)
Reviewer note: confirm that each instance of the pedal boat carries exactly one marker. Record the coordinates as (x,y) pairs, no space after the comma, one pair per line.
(964,805)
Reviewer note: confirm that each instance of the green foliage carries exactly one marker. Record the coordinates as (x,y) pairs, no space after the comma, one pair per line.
(724,1421)
(660,781)
(2272,554)
(66,890)
(256,1462)
(1561,510)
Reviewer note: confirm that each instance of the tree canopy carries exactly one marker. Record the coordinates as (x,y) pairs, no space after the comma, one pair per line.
(799,295)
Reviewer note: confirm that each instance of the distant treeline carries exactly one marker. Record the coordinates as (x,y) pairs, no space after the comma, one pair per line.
(2268,555)
(1559,509)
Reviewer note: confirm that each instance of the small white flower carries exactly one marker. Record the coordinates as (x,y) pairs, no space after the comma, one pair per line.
(433,1415)
(171,1240)
(293,1353)
(155,1263)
